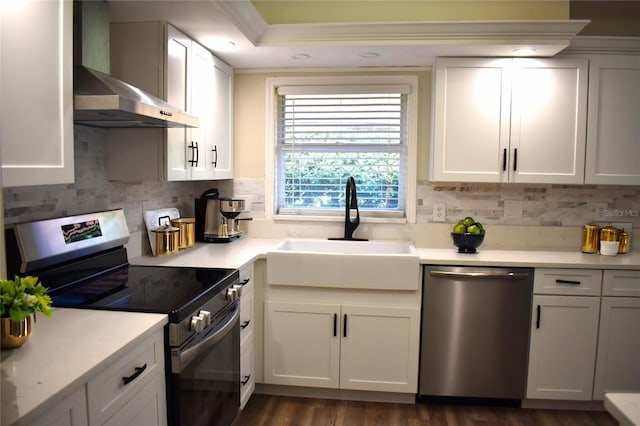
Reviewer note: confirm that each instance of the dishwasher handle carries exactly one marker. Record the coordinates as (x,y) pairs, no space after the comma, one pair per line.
(500,275)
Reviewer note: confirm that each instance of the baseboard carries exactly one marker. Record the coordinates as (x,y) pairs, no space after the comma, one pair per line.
(551,404)
(352,395)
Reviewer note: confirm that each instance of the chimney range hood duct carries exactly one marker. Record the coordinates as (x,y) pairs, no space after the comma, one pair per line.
(101,100)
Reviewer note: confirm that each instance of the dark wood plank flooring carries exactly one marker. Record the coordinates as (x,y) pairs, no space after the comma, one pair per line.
(266,410)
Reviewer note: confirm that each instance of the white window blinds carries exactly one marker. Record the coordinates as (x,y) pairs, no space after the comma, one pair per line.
(324,134)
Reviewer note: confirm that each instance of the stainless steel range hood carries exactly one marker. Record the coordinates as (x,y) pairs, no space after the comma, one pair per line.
(101,100)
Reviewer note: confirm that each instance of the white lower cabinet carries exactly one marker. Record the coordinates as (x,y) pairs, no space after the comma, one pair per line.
(247,335)
(131,390)
(342,346)
(71,411)
(618,358)
(585,334)
(564,334)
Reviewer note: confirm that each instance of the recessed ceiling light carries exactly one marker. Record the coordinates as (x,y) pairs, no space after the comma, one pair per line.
(301,56)
(222,45)
(369,55)
(524,51)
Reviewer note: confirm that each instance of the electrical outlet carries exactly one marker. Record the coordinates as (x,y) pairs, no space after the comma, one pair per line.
(439,212)
(512,209)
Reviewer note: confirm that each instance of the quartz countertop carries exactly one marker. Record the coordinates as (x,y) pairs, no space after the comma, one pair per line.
(246,249)
(624,407)
(63,351)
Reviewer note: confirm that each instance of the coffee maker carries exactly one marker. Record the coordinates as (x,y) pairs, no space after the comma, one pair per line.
(217,218)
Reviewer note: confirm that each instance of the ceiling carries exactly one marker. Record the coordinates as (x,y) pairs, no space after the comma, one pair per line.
(258,45)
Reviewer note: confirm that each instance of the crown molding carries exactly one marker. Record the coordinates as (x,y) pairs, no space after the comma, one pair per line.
(421,33)
(605,45)
(245,17)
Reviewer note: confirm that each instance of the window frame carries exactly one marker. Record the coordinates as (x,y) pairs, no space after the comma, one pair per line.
(366,81)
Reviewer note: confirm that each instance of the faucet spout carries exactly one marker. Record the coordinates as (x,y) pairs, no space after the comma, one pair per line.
(352,213)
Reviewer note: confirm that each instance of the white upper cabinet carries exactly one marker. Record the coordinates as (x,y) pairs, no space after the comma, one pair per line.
(36,78)
(162,60)
(613,131)
(509,120)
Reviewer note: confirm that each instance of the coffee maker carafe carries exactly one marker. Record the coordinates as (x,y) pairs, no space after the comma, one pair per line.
(216,217)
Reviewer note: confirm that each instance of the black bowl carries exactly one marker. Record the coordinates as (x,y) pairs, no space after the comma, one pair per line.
(467,243)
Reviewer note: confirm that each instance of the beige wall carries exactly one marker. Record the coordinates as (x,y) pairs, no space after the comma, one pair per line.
(250,110)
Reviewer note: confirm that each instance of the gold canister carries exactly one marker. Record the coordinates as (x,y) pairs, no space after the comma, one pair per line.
(187,227)
(167,239)
(624,243)
(609,233)
(590,238)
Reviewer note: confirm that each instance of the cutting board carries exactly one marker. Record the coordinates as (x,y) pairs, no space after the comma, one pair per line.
(155,218)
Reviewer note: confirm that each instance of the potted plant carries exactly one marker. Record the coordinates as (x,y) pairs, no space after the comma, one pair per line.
(19,299)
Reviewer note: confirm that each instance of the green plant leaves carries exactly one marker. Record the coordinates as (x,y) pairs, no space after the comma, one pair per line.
(23,296)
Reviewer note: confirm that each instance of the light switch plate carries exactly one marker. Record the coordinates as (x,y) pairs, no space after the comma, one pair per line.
(439,212)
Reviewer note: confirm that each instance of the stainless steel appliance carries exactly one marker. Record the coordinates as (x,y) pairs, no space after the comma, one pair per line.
(475,332)
(84,265)
(217,218)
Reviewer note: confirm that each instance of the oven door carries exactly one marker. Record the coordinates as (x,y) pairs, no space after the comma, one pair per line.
(205,374)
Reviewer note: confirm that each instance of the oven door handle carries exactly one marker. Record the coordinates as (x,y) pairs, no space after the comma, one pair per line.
(181,360)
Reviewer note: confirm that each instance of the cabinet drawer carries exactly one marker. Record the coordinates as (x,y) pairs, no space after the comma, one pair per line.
(107,391)
(621,283)
(583,282)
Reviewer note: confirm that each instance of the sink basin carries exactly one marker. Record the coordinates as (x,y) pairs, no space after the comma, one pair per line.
(380,265)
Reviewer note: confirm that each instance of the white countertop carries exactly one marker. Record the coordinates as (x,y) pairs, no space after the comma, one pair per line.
(624,407)
(246,249)
(63,352)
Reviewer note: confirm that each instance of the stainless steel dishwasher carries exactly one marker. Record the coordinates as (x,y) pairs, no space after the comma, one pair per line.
(475,332)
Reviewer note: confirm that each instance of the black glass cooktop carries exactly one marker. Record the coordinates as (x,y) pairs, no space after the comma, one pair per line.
(168,290)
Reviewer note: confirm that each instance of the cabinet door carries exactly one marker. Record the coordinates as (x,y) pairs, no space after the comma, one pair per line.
(613,144)
(470,120)
(301,344)
(618,360)
(178,150)
(564,332)
(36,82)
(379,349)
(548,120)
(221,146)
(202,100)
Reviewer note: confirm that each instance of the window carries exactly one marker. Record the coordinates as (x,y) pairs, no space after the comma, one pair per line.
(324,133)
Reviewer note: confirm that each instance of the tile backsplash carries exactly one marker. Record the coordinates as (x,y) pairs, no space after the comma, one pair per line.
(535,205)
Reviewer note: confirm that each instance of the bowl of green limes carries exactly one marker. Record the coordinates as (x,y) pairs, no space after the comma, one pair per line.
(467,235)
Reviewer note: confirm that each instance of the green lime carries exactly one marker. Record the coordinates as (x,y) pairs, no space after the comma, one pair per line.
(479,225)
(468,221)
(459,229)
(473,229)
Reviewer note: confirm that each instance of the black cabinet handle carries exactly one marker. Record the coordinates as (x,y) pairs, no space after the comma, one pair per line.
(193,160)
(135,375)
(335,325)
(197,154)
(568,282)
(344,334)
(215,152)
(246,281)
(515,159)
(246,380)
(538,317)
(504,160)
(245,324)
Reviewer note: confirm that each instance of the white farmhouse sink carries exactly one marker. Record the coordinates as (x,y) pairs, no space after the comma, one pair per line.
(380,265)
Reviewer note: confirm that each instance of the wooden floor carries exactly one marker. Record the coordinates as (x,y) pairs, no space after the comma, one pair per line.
(265,410)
